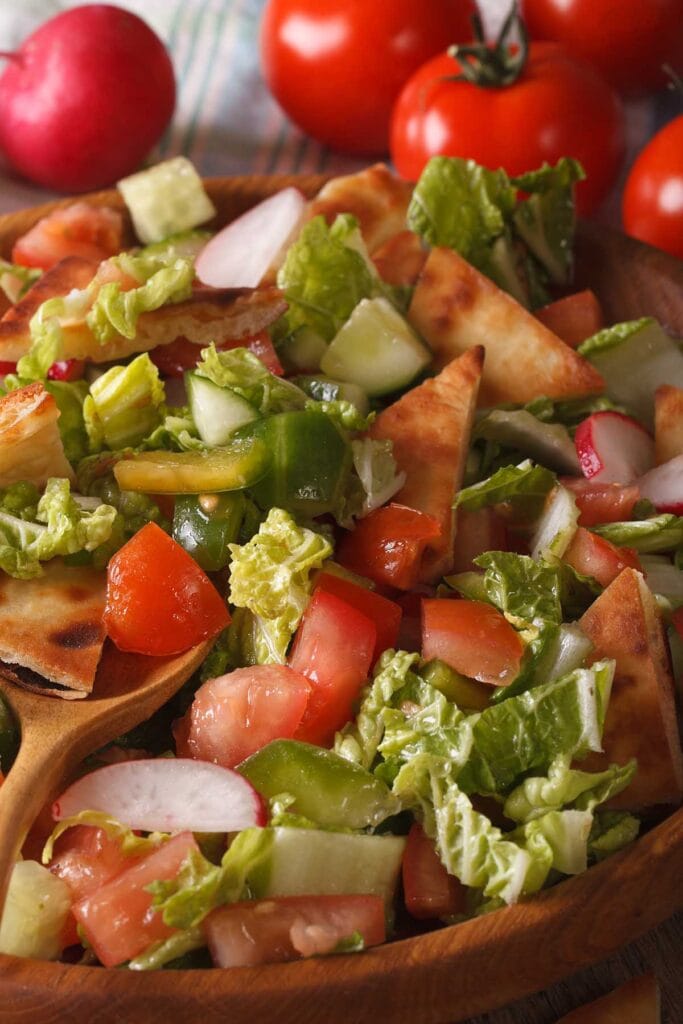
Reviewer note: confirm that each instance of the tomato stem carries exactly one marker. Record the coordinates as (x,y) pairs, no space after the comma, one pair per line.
(497,65)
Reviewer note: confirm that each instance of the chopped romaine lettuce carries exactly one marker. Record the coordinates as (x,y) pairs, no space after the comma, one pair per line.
(648,536)
(124,404)
(611,831)
(546,219)
(525,484)
(243,372)
(15,280)
(609,337)
(344,413)
(70,396)
(566,787)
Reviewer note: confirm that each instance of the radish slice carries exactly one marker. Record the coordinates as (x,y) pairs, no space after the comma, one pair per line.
(166,795)
(240,254)
(663,486)
(613,448)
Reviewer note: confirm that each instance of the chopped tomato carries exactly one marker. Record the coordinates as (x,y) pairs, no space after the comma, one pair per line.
(410,634)
(7,367)
(181,355)
(602,503)
(595,556)
(158,599)
(117,917)
(428,889)
(291,927)
(235,715)
(333,648)
(92,232)
(573,318)
(67,369)
(475,533)
(473,638)
(385,614)
(387,545)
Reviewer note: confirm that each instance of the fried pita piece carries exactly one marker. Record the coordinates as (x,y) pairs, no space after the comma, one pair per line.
(376,197)
(624,623)
(31,447)
(635,1002)
(52,630)
(455,307)
(206,316)
(73,272)
(430,428)
(400,259)
(668,423)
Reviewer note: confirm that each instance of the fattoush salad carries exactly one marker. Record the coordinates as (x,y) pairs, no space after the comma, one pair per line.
(423,506)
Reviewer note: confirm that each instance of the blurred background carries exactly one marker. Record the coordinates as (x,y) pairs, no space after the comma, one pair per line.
(225,119)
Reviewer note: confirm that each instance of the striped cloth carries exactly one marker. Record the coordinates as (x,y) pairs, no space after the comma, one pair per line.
(225,121)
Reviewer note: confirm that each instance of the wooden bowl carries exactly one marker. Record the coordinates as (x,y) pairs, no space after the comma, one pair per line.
(446,975)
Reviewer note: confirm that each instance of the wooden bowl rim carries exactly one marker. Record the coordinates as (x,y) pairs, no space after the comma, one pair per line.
(457,967)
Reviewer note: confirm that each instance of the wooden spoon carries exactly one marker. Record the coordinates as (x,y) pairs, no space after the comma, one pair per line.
(57,734)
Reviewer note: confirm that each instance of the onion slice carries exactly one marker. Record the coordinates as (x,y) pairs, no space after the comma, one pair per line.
(240,255)
(166,795)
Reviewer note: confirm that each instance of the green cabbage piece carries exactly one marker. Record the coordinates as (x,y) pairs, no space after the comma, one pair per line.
(324,276)
(270,576)
(648,536)
(124,404)
(60,527)
(243,372)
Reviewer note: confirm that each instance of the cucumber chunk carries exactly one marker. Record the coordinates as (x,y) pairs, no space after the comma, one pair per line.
(376,349)
(231,468)
(166,199)
(217,412)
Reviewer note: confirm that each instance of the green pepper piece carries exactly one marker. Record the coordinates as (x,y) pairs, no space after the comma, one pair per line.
(311,462)
(463,691)
(205,524)
(9,736)
(327,789)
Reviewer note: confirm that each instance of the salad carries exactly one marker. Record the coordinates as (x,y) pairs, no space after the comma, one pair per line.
(426,518)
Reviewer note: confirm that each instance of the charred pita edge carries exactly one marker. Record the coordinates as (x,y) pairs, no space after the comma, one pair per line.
(31,447)
(27,679)
(668,423)
(454,307)
(637,1001)
(430,427)
(624,623)
(375,197)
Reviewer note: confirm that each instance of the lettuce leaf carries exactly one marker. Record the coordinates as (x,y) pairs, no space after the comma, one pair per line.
(15,279)
(243,372)
(564,787)
(124,404)
(648,536)
(377,471)
(527,485)
(344,413)
(609,337)
(70,396)
(270,577)
(611,831)
(546,219)
(130,841)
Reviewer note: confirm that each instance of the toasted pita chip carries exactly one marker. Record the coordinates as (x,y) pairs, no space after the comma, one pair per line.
(205,317)
(635,1002)
(668,423)
(624,623)
(430,428)
(51,629)
(455,307)
(30,443)
(375,196)
(400,259)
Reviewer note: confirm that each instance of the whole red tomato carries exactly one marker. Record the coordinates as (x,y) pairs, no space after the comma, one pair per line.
(627,41)
(336,67)
(652,206)
(549,108)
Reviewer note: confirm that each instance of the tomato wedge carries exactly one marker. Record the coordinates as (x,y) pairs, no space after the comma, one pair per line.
(573,318)
(333,648)
(235,715)
(385,614)
(595,556)
(291,927)
(92,232)
(158,599)
(117,918)
(428,889)
(602,503)
(473,638)
(387,545)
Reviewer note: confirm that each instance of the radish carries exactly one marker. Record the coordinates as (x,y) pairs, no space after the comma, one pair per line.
(664,486)
(613,448)
(240,255)
(166,795)
(85,98)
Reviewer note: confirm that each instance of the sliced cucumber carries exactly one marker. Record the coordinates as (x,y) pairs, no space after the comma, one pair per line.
(237,465)
(304,861)
(217,412)
(324,389)
(376,349)
(166,199)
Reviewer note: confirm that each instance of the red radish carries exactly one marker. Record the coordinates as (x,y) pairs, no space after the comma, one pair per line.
(613,448)
(240,255)
(664,486)
(85,98)
(166,795)
(67,369)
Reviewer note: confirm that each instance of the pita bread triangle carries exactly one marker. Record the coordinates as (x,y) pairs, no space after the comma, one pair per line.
(635,1002)
(624,623)
(430,428)
(52,630)
(377,198)
(454,307)
(668,423)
